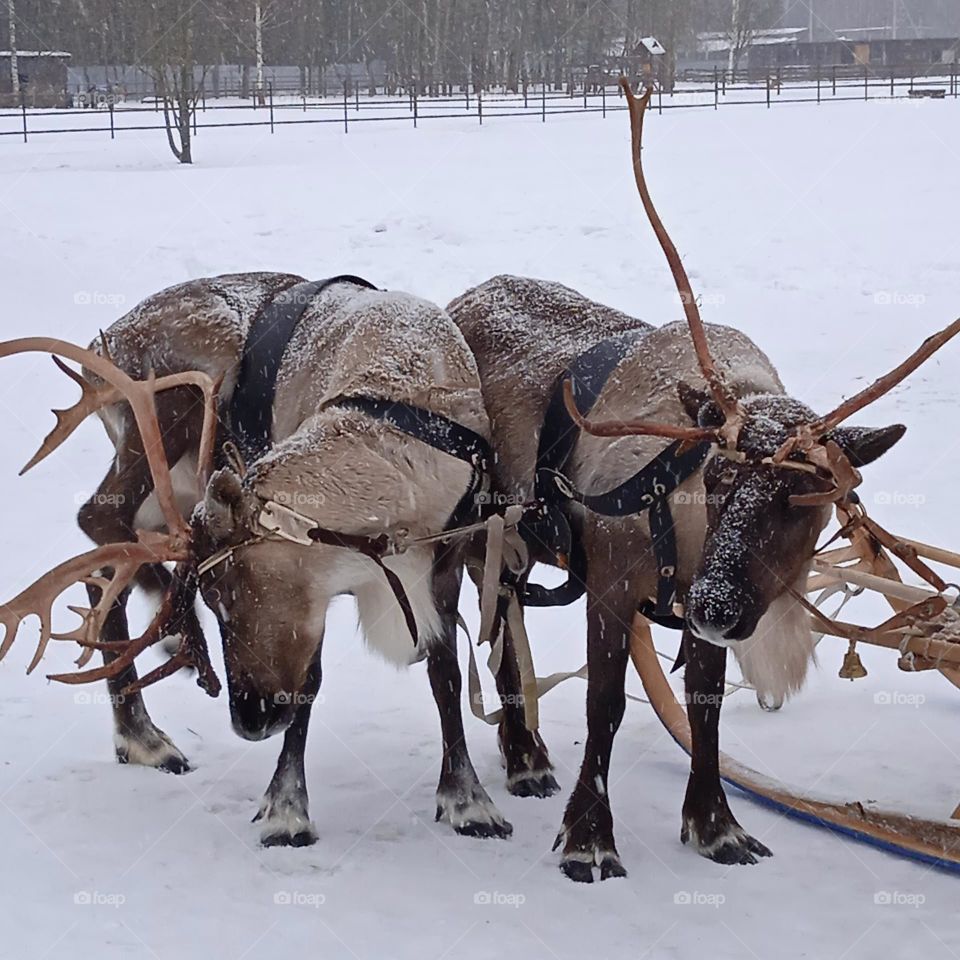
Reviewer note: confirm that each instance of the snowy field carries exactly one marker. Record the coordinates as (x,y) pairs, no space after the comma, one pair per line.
(829,235)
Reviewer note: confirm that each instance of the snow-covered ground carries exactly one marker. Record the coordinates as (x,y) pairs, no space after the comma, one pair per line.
(829,235)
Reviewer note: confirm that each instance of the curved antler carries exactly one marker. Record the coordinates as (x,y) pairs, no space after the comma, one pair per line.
(718,387)
(38,599)
(139,394)
(632,428)
(887,382)
(111,567)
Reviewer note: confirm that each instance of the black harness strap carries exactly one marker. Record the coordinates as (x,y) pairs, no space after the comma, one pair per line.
(250,414)
(649,490)
(439,432)
(549,526)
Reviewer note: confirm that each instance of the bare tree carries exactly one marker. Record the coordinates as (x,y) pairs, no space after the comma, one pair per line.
(171,63)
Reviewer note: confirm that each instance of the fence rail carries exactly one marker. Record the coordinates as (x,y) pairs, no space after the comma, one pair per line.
(353,106)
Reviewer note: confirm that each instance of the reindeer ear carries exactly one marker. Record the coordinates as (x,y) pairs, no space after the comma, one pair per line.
(222,503)
(700,407)
(692,399)
(863,445)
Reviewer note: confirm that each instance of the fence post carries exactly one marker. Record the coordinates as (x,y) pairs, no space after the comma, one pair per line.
(544,100)
(892,72)
(584,93)
(834,79)
(23,110)
(270,92)
(818,81)
(480,105)
(346,94)
(416,108)
(112,137)
(716,89)
(660,99)
(768,91)
(356,94)
(525,97)
(467,85)
(866,87)
(603,94)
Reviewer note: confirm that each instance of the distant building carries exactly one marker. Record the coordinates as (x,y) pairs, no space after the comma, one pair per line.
(43,78)
(788,47)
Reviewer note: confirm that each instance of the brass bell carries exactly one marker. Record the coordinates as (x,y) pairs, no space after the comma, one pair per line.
(852,668)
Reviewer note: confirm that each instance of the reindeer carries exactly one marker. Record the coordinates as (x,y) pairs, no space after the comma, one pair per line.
(373,447)
(714,535)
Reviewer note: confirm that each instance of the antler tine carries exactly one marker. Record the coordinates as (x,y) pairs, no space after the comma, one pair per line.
(885,383)
(141,397)
(38,599)
(91,399)
(632,428)
(718,387)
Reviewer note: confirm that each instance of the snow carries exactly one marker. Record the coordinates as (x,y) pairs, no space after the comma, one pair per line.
(103,860)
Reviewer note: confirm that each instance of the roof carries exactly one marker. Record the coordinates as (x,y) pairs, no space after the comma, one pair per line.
(36,54)
(714,42)
(653,46)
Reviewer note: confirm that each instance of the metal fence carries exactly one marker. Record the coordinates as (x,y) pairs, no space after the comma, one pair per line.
(354,106)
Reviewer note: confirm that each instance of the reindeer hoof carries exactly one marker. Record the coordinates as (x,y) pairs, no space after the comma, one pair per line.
(610,867)
(579,871)
(302,838)
(729,844)
(533,783)
(474,815)
(284,824)
(152,748)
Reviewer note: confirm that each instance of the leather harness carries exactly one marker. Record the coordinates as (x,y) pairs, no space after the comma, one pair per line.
(249,420)
(647,491)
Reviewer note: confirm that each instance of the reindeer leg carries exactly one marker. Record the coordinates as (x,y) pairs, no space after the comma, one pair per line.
(587,831)
(136,738)
(461,799)
(529,770)
(708,825)
(284,809)
(108,517)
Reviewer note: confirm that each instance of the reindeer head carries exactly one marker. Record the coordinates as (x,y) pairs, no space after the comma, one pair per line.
(262,598)
(777,467)
(763,518)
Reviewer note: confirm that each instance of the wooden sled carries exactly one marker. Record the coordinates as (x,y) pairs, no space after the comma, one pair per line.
(925,629)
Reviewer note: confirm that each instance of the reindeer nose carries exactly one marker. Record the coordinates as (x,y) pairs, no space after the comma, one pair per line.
(256,717)
(715,612)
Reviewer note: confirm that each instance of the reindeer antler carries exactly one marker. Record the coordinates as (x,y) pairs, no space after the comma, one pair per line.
(139,394)
(38,599)
(632,428)
(722,393)
(122,560)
